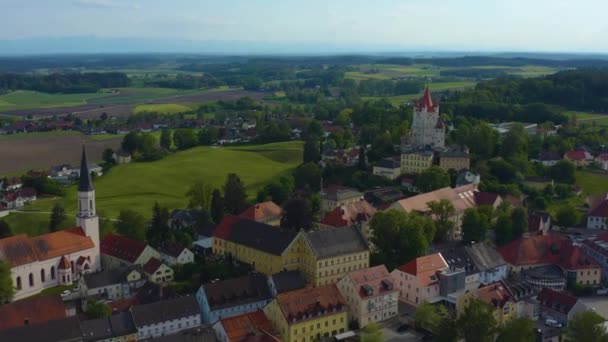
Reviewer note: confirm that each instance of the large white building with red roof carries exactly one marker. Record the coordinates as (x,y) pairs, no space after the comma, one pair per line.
(57,258)
(428,129)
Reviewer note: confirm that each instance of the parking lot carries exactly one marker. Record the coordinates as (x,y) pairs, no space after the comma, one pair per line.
(390,333)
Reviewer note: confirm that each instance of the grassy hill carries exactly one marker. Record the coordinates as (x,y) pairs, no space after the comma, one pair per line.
(138,186)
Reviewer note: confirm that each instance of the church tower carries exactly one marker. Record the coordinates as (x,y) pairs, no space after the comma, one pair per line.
(428,129)
(87,217)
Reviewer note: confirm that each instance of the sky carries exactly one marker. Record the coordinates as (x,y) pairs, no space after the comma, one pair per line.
(378,25)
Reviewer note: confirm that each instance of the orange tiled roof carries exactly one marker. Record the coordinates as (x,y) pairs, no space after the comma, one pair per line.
(122,247)
(347,215)
(22,249)
(239,327)
(310,302)
(496,294)
(262,211)
(425,268)
(33,309)
(462,198)
(373,277)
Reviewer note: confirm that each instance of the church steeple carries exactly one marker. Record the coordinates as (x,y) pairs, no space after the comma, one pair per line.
(86,184)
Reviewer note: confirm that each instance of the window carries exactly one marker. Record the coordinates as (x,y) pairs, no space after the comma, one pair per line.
(53,272)
(18,283)
(31,280)
(42,276)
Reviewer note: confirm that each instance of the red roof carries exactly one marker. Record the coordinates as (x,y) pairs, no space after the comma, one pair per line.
(239,327)
(426,101)
(576,155)
(556,300)
(347,215)
(33,310)
(122,247)
(375,278)
(603,157)
(152,265)
(496,294)
(546,249)
(64,264)
(425,268)
(223,229)
(486,198)
(262,211)
(600,210)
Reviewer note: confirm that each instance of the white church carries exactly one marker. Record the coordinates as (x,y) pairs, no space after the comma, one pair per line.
(428,129)
(58,258)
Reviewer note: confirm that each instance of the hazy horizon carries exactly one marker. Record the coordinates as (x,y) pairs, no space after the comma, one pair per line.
(311,27)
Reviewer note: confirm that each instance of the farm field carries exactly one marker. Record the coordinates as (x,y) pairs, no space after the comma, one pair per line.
(23,99)
(138,186)
(21,152)
(440,86)
(168,108)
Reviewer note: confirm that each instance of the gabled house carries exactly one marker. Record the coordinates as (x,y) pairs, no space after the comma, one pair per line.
(389,168)
(497,295)
(157,271)
(112,284)
(265,212)
(560,306)
(233,297)
(32,310)
(249,325)
(118,327)
(118,251)
(370,294)
(487,198)
(166,317)
(18,198)
(597,218)
(11,184)
(334,196)
(357,214)
(175,254)
(66,329)
(418,280)
(579,157)
(466,177)
(547,158)
(602,161)
(539,223)
(122,157)
(488,262)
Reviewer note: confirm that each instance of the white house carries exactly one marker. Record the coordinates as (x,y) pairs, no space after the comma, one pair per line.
(113,284)
(57,258)
(597,218)
(157,271)
(418,280)
(173,254)
(488,261)
(602,161)
(166,317)
(118,251)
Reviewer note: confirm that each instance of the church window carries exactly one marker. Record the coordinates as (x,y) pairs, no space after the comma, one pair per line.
(91,206)
(18,283)
(31,280)
(72,263)
(42,275)
(53,272)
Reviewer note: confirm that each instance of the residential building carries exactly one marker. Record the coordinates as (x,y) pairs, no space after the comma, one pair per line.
(548,158)
(204,243)
(498,296)
(232,297)
(370,295)
(383,197)
(551,249)
(18,198)
(504,127)
(308,314)
(417,280)
(560,306)
(466,177)
(596,247)
(11,184)
(428,128)
(457,258)
(330,254)
(579,157)
(119,251)
(602,161)
(266,212)
(389,168)
(112,284)
(175,254)
(239,328)
(461,198)
(65,330)
(116,328)
(356,214)
(455,158)
(286,281)
(415,159)
(597,218)
(334,196)
(539,223)
(491,199)
(157,272)
(57,258)
(122,157)
(32,310)
(266,248)
(183,218)
(488,261)
(166,317)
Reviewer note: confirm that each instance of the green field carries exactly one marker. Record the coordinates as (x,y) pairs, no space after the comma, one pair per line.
(21,136)
(592,183)
(166,108)
(440,86)
(389,71)
(24,99)
(138,186)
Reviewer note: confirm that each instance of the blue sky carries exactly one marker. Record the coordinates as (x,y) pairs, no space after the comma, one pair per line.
(522,25)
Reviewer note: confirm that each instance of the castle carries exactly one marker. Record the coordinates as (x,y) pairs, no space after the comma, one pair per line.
(61,257)
(428,129)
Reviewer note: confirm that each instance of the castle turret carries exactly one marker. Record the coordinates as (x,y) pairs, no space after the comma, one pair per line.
(87,216)
(428,129)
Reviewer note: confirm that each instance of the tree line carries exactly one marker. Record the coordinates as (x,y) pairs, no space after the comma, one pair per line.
(67,83)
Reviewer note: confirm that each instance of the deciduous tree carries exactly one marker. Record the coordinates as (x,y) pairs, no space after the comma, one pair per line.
(298,214)
(586,326)
(199,195)
(311,151)
(235,197)
(432,178)
(518,329)
(132,224)
(568,216)
(5,230)
(166,139)
(6,282)
(57,217)
(474,226)
(477,322)
(97,309)
(217,206)
(442,212)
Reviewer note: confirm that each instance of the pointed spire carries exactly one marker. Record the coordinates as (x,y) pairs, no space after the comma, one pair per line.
(426,100)
(86,184)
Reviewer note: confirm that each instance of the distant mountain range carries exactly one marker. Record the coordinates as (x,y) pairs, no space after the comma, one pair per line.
(95,45)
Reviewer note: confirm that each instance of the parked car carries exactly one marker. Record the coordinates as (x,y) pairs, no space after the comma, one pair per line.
(550,322)
(403,328)
(65,293)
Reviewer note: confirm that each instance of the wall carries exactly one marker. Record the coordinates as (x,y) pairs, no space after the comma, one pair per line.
(168,327)
(211,317)
(410,289)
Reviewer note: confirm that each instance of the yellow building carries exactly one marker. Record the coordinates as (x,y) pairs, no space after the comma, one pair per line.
(332,253)
(496,295)
(308,314)
(267,249)
(415,160)
(455,158)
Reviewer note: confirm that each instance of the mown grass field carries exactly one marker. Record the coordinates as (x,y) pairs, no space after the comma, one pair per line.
(24,99)
(138,186)
(51,134)
(592,183)
(165,108)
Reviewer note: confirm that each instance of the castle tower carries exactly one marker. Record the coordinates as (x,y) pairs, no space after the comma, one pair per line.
(427,128)
(87,217)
